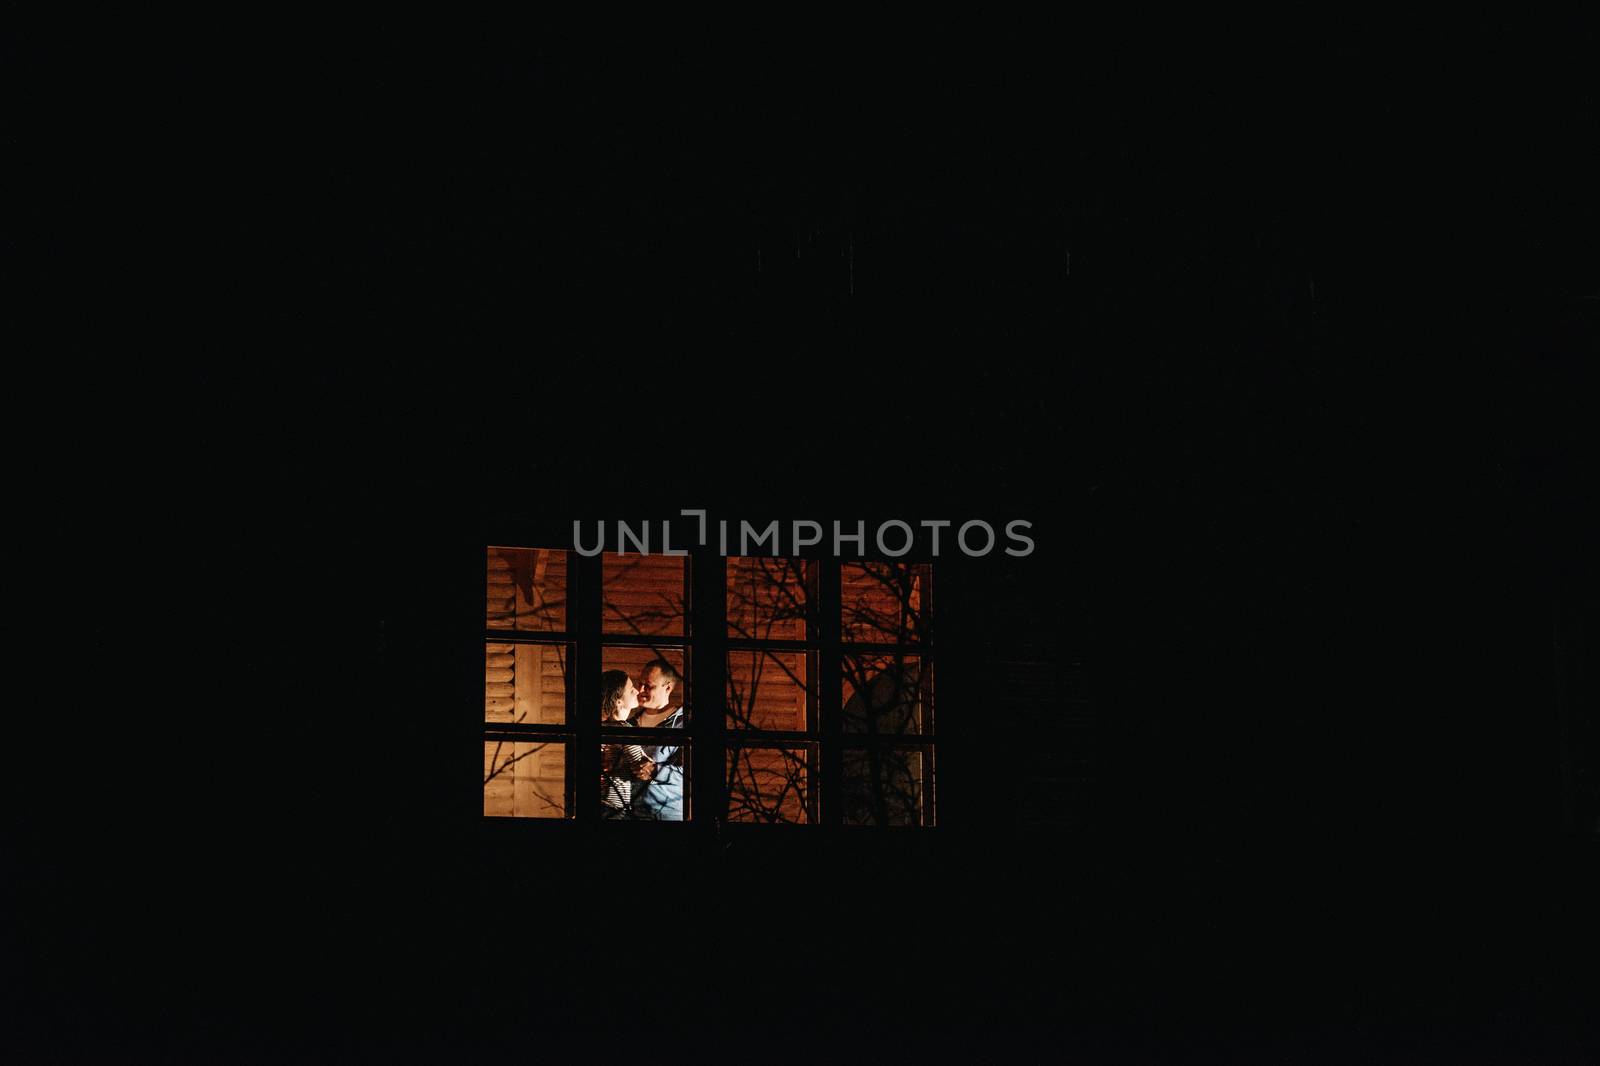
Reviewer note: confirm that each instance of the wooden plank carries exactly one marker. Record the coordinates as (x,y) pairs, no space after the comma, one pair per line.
(498,797)
(653,597)
(530,682)
(553,763)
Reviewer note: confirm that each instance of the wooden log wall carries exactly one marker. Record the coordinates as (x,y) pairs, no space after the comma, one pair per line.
(644,595)
(526,589)
(526,683)
(768,784)
(767,599)
(873,608)
(768,689)
(524,779)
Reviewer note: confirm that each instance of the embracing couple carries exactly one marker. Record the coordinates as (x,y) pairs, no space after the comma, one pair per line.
(642,781)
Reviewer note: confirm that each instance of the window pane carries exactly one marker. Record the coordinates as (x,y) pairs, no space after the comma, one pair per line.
(770,689)
(645,595)
(632,660)
(525,779)
(527,589)
(525,683)
(886,694)
(768,598)
(884,603)
(886,786)
(770,784)
(645,780)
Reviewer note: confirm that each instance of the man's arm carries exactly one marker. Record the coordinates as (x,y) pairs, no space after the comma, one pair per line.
(659,753)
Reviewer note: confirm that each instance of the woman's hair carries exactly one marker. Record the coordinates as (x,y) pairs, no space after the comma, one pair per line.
(613,683)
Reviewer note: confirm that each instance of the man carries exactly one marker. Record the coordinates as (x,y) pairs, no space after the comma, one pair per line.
(660,795)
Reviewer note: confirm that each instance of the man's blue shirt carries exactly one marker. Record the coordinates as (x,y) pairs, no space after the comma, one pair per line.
(661,799)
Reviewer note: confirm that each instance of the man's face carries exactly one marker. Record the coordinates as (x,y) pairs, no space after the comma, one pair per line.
(654,690)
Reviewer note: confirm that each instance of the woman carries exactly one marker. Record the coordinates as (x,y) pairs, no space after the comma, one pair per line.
(619,698)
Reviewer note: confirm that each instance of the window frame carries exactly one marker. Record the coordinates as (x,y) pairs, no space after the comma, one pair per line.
(706,644)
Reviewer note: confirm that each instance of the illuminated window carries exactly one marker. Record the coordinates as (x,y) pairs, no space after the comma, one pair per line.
(886,699)
(771,695)
(796,691)
(526,685)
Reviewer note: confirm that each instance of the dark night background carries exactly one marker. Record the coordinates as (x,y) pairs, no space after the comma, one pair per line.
(1285,351)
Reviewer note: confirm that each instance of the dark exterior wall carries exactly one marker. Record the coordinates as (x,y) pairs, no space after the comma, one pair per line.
(1297,429)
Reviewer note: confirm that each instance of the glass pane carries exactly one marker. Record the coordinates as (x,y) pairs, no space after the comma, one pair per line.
(769,784)
(768,598)
(527,589)
(633,661)
(769,689)
(884,603)
(525,779)
(645,780)
(645,595)
(886,694)
(525,683)
(886,786)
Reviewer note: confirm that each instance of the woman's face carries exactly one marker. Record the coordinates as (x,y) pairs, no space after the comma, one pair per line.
(629,702)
